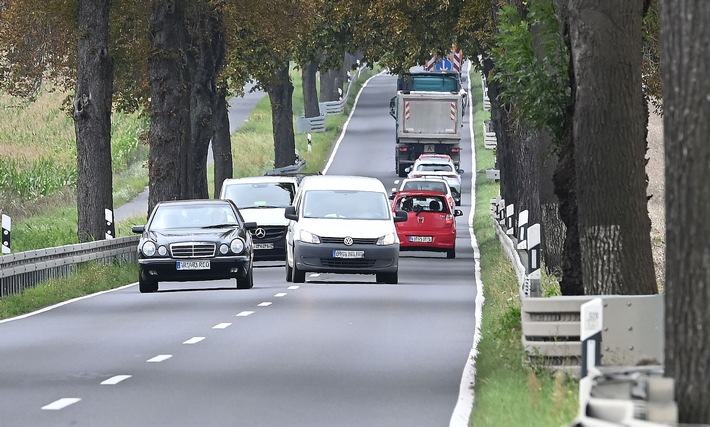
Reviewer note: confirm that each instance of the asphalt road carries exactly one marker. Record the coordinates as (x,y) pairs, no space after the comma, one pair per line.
(334,351)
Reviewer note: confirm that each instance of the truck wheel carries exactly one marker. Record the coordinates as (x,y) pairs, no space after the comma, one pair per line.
(401,170)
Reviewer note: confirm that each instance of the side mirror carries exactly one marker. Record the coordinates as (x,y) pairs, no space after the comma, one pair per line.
(458,212)
(394,193)
(460,171)
(400,216)
(250,225)
(290,213)
(392,106)
(138,229)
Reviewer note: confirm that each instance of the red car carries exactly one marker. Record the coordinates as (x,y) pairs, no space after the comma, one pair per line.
(430,225)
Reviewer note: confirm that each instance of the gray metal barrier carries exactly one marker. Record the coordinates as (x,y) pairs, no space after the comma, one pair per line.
(23,270)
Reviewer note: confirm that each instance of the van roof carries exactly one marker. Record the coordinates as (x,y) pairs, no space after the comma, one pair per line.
(342,182)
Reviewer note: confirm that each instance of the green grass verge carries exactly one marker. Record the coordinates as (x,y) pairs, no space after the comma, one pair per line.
(508,391)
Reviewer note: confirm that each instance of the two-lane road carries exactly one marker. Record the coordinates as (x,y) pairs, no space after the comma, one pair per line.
(334,351)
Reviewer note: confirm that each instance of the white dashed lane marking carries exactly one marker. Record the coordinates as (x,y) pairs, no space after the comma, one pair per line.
(293,287)
(60,404)
(115,379)
(194,340)
(222,326)
(280,294)
(160,358)
(244,313)
(264,304)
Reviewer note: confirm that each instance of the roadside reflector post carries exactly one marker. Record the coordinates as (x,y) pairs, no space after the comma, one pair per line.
(510,220)
(110,227)
(533,235)
(6,229)
(591,334)
(523,229)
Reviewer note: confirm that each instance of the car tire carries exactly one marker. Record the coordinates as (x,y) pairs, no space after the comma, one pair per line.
(389,278)
(247,282)
(299,276)
(451,253)
(147,286)
(289,272)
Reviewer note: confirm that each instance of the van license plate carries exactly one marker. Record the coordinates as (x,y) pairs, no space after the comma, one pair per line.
(348,254)
(193,265)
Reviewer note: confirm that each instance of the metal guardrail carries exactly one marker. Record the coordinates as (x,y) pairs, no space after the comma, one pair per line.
(22,270)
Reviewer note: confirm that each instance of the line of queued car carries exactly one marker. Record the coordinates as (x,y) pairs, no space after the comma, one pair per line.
(335,224)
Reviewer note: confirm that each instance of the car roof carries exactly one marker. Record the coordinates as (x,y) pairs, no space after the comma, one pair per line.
(260,179)
(435,156)
(419,193)
(192,202)
(342,182)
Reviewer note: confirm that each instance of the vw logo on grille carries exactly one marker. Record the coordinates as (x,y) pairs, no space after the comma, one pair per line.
(348,241)
(260,233)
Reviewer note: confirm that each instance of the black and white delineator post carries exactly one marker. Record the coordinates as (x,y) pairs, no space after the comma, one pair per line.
(310,141)
(501,212)
(6,229)
(510,220)
(534,251)
(523,229)
(110,228)
(591,334)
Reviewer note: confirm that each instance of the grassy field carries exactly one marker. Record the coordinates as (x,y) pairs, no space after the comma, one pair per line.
(508,392)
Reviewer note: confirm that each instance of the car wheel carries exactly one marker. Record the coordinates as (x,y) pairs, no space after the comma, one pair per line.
(389,278)
(299,276)
(451,253)
(248,281)
(147,286)
(289,272)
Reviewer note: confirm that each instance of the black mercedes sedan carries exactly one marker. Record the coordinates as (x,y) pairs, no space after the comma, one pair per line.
(187,240)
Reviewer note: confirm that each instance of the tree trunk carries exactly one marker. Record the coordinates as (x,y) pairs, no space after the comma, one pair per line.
(328,88)
(92,120)
(206,62)
(610,146)
(170,104)
(685,59)
(553,229)
(280,94)
(221,143)
(310,91)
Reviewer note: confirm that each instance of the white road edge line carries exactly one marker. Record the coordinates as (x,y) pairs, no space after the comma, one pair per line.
(264,304)
(60,404)
(280,294)
(222,325)
(115,379)
(159,358)
(245,313)
(194,340)
(464,405)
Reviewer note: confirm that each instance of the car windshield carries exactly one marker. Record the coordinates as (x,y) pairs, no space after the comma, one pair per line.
(345,204)
(421,204)
(434,167)
(261,195)
(440,187)
(193,216)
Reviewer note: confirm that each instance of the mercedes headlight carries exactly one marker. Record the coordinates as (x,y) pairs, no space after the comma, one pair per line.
(387,239)
(148,249)
(162,251)
(308,237)
(223,249)
(237,246)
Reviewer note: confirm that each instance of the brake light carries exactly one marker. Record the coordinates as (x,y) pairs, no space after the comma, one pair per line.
(402,148)
(449,220)
(456,149)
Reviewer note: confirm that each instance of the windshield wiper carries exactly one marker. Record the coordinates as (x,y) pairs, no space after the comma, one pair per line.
(223,225)
(261,207)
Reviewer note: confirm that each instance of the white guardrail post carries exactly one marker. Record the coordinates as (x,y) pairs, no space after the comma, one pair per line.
(6,229)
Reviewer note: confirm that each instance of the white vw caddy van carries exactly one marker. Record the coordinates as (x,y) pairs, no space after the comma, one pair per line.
(342,224)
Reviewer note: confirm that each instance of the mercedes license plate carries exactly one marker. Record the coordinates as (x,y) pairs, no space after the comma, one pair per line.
(420,239)
(429,148)
(259,246)
(348,254)
(193,265)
